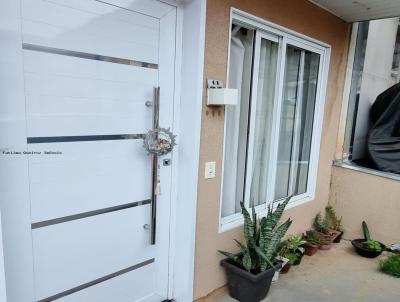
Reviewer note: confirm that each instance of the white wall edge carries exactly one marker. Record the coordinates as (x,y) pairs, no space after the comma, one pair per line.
(190,63)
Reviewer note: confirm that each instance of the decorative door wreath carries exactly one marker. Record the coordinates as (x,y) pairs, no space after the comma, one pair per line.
(159,141)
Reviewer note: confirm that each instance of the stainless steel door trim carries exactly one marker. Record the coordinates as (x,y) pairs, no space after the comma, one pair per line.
(50,222)
(89,56)
(96,281)
(154,168)
(81,138)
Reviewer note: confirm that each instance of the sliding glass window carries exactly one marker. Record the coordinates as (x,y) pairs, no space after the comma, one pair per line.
(272,136)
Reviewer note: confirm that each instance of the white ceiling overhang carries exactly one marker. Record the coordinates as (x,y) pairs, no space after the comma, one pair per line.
(361,10)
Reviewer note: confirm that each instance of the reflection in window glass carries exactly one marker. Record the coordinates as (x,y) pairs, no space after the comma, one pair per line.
(296,126)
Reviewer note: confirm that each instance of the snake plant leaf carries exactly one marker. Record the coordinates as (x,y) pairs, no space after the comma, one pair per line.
(247,263)
(248,227)
(265,258)
(253,210)
(234,257)
(261,226)
(243,248)
(276,238)
(277,214)
(366,232)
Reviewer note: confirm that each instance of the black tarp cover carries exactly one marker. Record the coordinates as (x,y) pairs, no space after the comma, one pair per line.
(383,144)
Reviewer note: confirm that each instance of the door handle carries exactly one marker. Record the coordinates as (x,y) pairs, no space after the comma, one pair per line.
(154,168)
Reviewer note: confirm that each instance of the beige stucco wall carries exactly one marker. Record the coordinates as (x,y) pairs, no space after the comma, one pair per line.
(303,17)
(359,196)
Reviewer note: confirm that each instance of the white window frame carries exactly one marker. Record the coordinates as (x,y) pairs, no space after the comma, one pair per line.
(284,36)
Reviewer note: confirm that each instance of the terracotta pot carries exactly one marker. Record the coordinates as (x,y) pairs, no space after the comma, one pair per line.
(325,247)
(310,249)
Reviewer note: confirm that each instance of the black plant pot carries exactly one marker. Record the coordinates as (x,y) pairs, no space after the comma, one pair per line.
(247,287)
(299,258)
(286,268)
(364,251)
(338,238)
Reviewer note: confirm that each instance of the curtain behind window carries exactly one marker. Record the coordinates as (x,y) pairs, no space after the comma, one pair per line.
(240,63)
(263,124)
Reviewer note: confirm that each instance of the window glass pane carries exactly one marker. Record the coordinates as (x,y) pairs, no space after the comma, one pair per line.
(263,121)
(375,69)
(236,120)
(296,125)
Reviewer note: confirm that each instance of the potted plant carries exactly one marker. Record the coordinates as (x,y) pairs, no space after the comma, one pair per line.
(325,244)
(391,266)
(294,245)
(282,262)
(367,247)
(291,259)
(334,223)
(321,225)
(312,243)
(250,271)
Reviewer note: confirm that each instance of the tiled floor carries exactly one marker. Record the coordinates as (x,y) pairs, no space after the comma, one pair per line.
(338,275)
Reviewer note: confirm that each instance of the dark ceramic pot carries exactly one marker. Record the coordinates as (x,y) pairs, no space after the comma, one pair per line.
(286,268)
(298,260)
(338,238)
(245,286)
(364,251)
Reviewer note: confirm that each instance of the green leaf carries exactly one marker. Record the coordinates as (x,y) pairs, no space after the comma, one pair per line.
(367,235)
(247,264)
(234,257)
(276,238)
(277,215)
(254,224)
(248,227)
(242,247)
(265,258)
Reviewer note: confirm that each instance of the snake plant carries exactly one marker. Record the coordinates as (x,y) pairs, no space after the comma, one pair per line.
(262,239)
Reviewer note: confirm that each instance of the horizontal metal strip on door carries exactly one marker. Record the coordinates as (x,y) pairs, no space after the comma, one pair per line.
(82,138)
(89,56)
(41,224)
(97,281)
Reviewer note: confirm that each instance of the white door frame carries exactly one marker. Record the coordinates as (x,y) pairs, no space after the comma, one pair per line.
(191,22)
(15,204)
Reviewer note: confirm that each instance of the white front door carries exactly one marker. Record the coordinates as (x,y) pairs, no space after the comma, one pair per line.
(90,67)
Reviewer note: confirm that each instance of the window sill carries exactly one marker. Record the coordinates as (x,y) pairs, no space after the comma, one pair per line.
(352,166)
(236,220)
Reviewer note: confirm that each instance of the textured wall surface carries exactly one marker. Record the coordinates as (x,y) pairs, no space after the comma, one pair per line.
(303,17)
(360,196)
